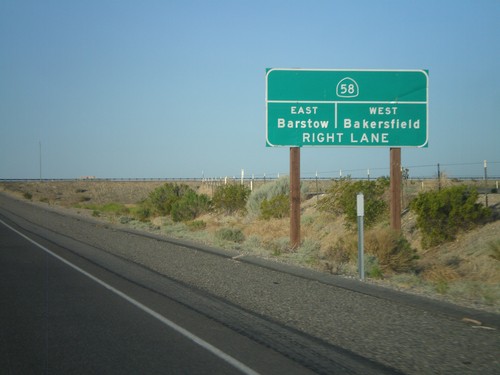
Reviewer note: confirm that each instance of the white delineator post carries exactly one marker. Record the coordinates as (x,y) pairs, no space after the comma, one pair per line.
(360,205)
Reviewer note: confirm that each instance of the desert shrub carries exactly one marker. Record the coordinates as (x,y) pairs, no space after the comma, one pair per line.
(125,219)
(385,251)
(442,214)
(230,198)
(391,250)
(337,257)
(340,199)
(277,246)
(372,267)
(143,211)
(276,207)
(162,199)
(440,276)
(308,252)
(189,206)
(281,186)
(28,195)
(230,234)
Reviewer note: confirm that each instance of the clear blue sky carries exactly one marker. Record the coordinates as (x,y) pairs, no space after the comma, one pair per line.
(177,88)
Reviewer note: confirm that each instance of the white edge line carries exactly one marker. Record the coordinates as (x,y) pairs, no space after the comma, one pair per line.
(197,340)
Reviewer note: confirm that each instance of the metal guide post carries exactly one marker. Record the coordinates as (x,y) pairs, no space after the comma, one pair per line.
(361,213)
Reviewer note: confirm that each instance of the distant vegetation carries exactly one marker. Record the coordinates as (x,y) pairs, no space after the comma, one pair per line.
(183,204)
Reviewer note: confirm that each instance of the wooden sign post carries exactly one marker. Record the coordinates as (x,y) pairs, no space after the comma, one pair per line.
(395,188)
(294,197)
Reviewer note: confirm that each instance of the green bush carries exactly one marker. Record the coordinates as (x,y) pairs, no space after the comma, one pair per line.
(189,206)
(267,191)
(230,234)
(443,214)
(143,211)
(28,195)
(230,198)
(276,207)
(372,267)
(162,199)
(341,199)
(179,201)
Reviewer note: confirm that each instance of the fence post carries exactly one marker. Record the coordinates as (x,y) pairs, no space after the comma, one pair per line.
(486,182)
(486,173)
(439,178)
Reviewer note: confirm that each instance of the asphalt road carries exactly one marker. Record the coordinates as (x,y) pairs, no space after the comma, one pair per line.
(56,319)
(62,318)
(79,296)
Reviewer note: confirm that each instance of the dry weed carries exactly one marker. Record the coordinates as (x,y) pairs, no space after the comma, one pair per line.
(268,230)
(392,251)
(340,256)
(440,273)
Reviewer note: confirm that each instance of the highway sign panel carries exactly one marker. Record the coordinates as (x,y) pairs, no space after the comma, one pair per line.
(321,107)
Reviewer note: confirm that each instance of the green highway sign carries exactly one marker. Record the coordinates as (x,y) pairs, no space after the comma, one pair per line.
(321,107)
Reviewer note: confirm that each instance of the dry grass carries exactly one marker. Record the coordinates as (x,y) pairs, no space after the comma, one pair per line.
(440,273)
(69,193)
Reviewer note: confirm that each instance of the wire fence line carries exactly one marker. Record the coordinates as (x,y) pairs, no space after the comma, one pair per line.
(464,171)
(485,170)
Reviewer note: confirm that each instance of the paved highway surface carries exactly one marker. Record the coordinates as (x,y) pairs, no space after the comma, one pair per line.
(80,296)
